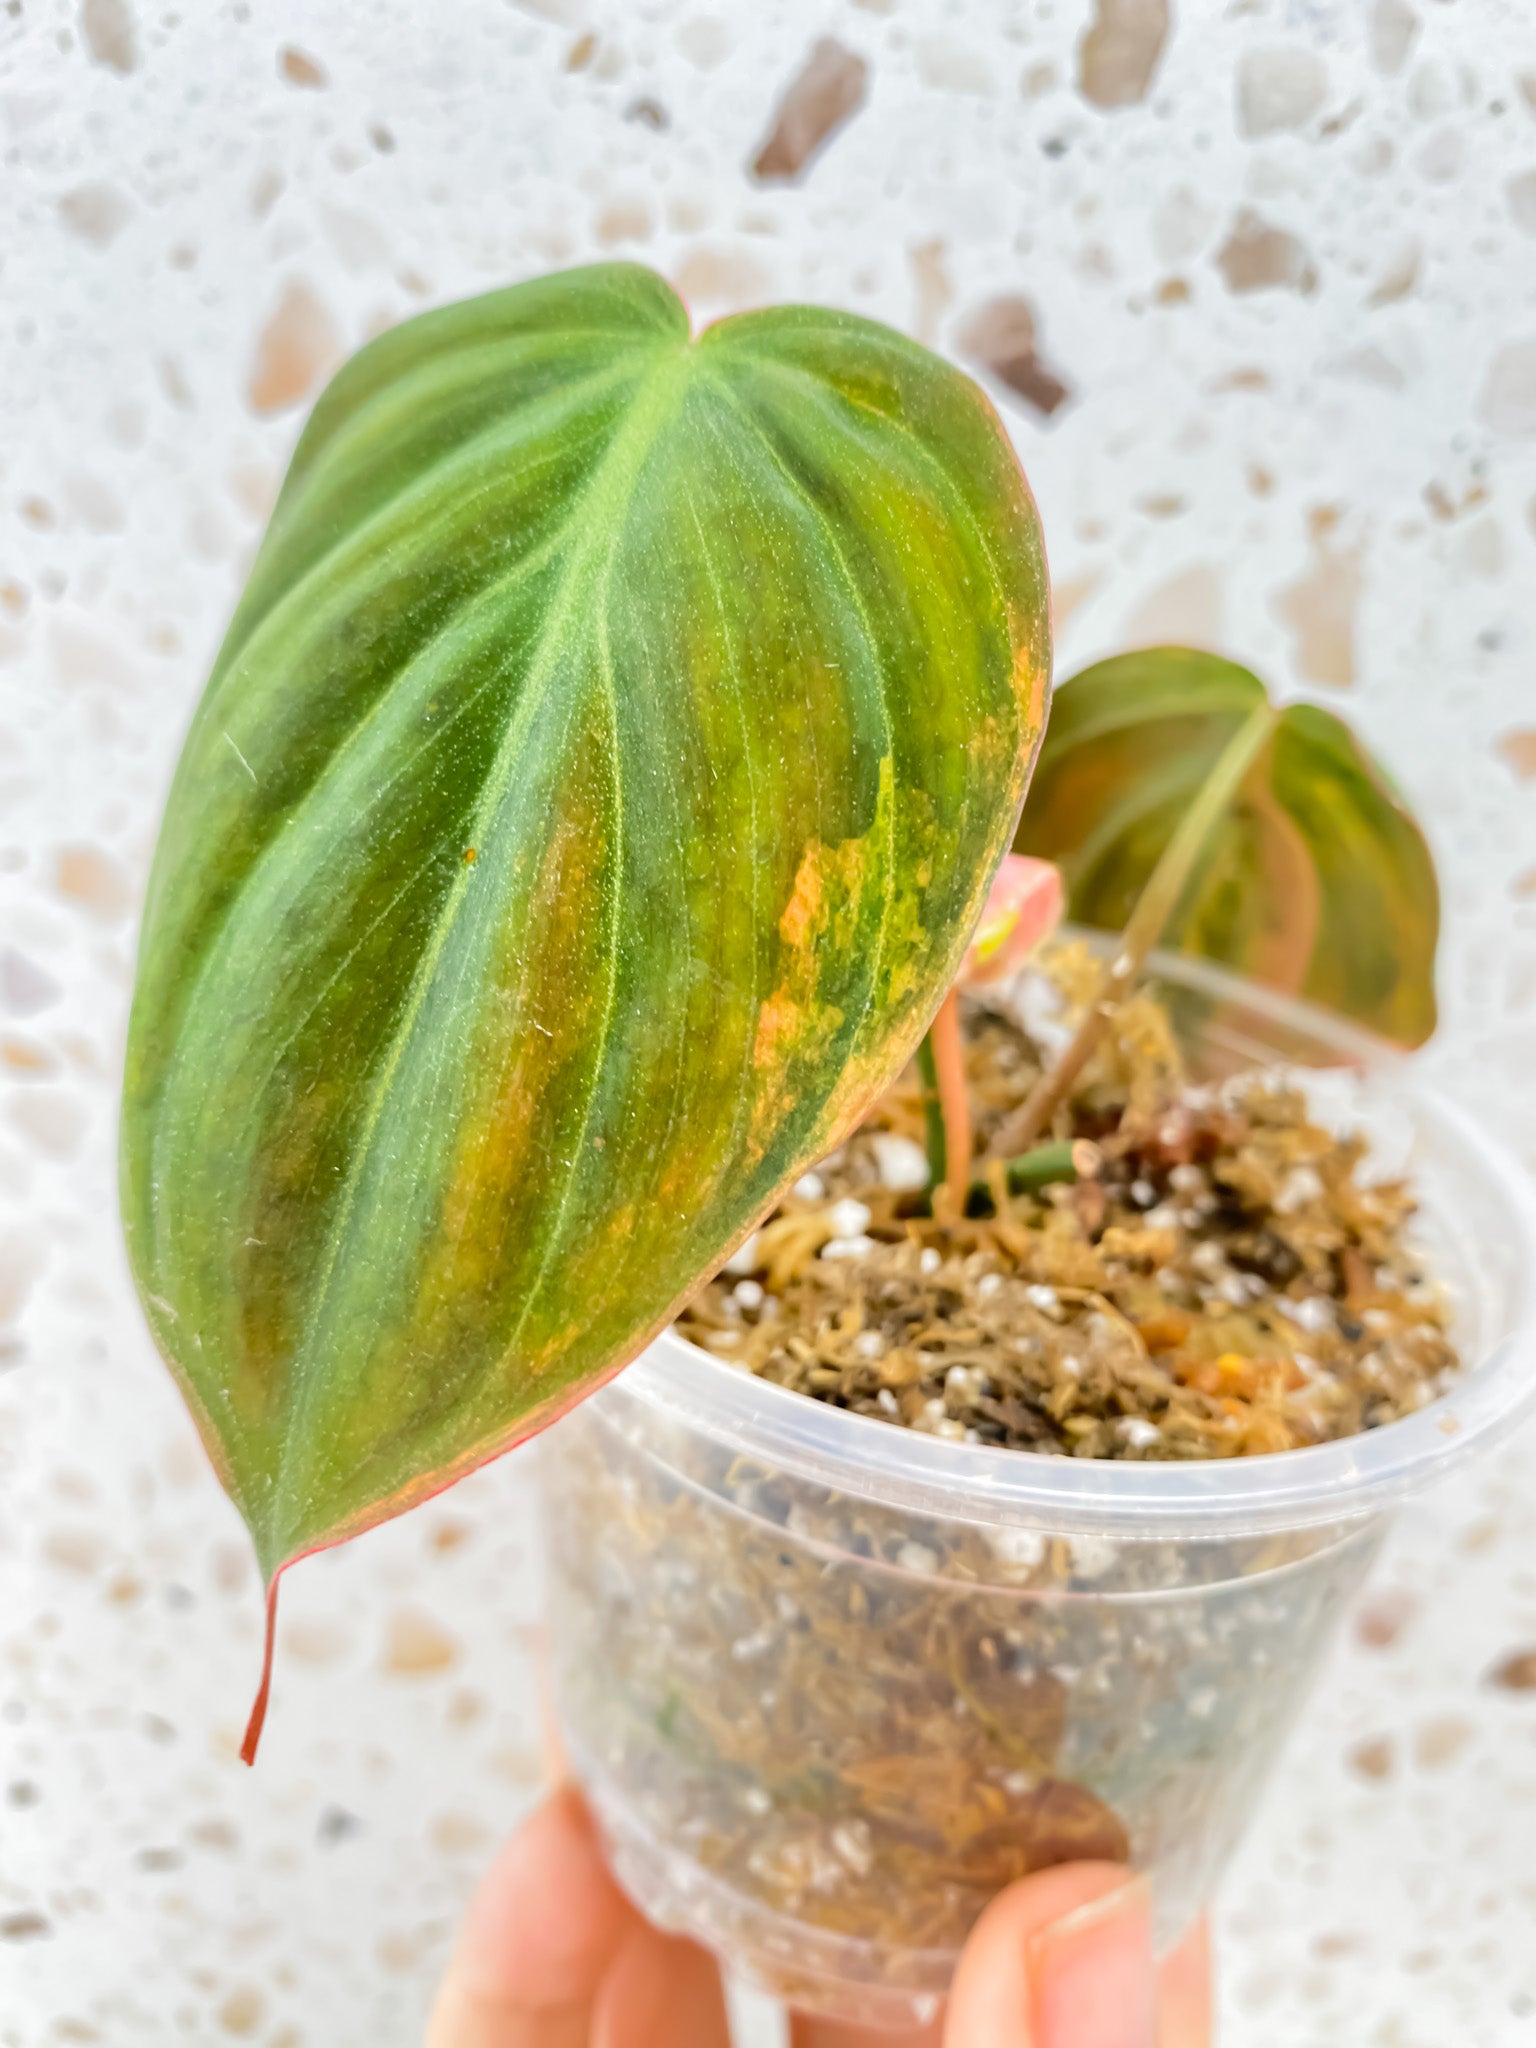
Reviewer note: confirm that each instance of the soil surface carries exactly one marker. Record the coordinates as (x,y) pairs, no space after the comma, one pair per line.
(1220,1275)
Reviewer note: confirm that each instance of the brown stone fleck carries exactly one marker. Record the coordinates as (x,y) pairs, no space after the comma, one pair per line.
(1329,1945)
(1119,52)
(521,1767)
(1439,1741)
(23,1926)
(1187,609)
(297,348)
(1246,377)
(648,113)
(403,1953)
(241,2013)
(1374,1758)
(1319,608)
(581,52)
(458,1834)
(109,35)
(1516,1672)
(416,1646)
(299,68)
(74,1550)
(313,1642)
(215,1833)
(96,213)
(155,1859)
(1383,1616)
(932,288)
(721,277)
(1001,336)
(1258,257)
(21,1056)
(626,220)
(94,881)
(821,98)
(1517,748)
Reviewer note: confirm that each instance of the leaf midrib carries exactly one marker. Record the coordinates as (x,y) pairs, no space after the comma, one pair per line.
(598,514)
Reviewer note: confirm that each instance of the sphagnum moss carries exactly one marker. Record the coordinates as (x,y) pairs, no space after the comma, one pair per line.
(1224,1278)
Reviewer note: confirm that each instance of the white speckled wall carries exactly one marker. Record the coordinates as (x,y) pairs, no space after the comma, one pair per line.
(1282,261)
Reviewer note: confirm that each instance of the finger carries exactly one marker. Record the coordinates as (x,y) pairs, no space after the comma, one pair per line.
(661,1992)
(808,2032)
(540,1933)
(1184,1992)
(1062,1959)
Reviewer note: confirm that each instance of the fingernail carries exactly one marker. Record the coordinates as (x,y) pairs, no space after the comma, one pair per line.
(1092,1977)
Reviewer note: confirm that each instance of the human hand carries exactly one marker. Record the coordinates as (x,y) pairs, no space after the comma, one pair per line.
(552,1955)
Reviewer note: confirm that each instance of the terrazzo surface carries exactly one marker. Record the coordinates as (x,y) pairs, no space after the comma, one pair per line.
(1279,396)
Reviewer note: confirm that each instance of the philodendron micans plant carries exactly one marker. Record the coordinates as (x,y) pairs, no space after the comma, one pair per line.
(590,807)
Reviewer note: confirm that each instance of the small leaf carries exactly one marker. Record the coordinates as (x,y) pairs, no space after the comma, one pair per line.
(1023,908)
(1317,881)
(590,805)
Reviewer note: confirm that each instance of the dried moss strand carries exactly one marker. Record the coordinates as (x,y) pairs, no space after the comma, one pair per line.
(1155,906)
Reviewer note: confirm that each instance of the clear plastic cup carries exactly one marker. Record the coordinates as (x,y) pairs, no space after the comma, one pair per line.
(829,1683)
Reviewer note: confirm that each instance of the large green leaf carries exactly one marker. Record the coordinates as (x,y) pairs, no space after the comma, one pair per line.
(588,809)
(1316,881)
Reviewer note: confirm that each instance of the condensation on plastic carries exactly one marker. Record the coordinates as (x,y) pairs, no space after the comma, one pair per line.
(1209,1590)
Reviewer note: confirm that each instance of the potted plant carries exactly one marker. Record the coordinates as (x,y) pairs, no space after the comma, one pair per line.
(591,808)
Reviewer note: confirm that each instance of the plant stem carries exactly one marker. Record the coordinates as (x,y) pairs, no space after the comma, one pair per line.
(954,1104)
(1157,903)
(1046,1164)
(933,1115)
(1033,1170)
